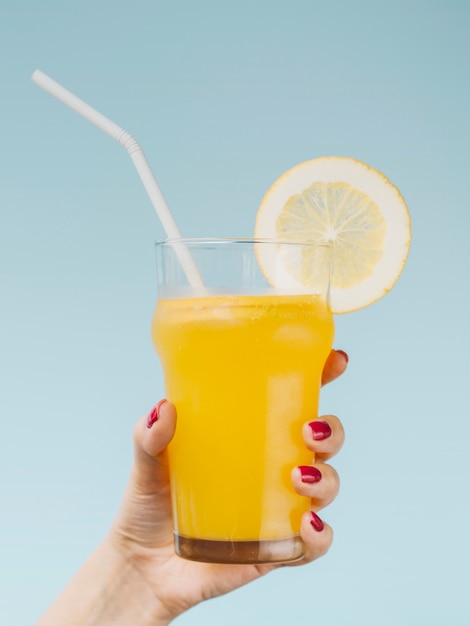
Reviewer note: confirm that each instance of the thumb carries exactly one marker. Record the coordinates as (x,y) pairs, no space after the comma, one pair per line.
(152,434)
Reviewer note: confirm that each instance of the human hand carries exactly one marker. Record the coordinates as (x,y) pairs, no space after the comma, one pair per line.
(143,531)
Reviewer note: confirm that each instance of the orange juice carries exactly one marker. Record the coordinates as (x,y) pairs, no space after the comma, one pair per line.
(244,373)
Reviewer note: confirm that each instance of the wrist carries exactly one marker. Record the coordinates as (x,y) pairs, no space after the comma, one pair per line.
(107,591)
(131,599)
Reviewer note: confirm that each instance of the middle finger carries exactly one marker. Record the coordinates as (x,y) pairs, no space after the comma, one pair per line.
(324,436)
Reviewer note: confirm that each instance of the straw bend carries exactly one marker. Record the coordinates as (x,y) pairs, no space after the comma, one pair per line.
(128,141)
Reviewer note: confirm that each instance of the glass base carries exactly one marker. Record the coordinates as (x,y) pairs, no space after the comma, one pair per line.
(269,551)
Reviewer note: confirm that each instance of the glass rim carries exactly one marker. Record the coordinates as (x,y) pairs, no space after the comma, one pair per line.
(242,240)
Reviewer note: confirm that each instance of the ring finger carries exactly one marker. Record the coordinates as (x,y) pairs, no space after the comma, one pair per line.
(319,482)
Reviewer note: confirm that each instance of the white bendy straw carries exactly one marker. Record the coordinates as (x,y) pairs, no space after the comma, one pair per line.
(143,168)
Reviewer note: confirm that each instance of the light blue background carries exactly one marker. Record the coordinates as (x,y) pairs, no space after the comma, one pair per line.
(224,97)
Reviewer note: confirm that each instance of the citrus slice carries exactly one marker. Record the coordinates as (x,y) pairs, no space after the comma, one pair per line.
(354,209)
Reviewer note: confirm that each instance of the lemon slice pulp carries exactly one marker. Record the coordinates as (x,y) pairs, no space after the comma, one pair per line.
(352,207)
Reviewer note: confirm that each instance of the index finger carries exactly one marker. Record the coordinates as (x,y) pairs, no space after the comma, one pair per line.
(335,365)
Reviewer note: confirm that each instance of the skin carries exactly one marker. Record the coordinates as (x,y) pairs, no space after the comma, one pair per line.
(134,576)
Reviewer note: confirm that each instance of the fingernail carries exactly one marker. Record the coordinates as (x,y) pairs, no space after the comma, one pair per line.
(316,522)
(310,474)
(152,417)
(320,430)
(345,354)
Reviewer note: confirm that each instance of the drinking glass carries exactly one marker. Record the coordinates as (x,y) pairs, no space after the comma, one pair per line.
(242,359)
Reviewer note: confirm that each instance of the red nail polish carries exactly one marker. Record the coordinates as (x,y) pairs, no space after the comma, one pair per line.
(316,522)
(345,354)
(310,474)
(320,430)
(152,417)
